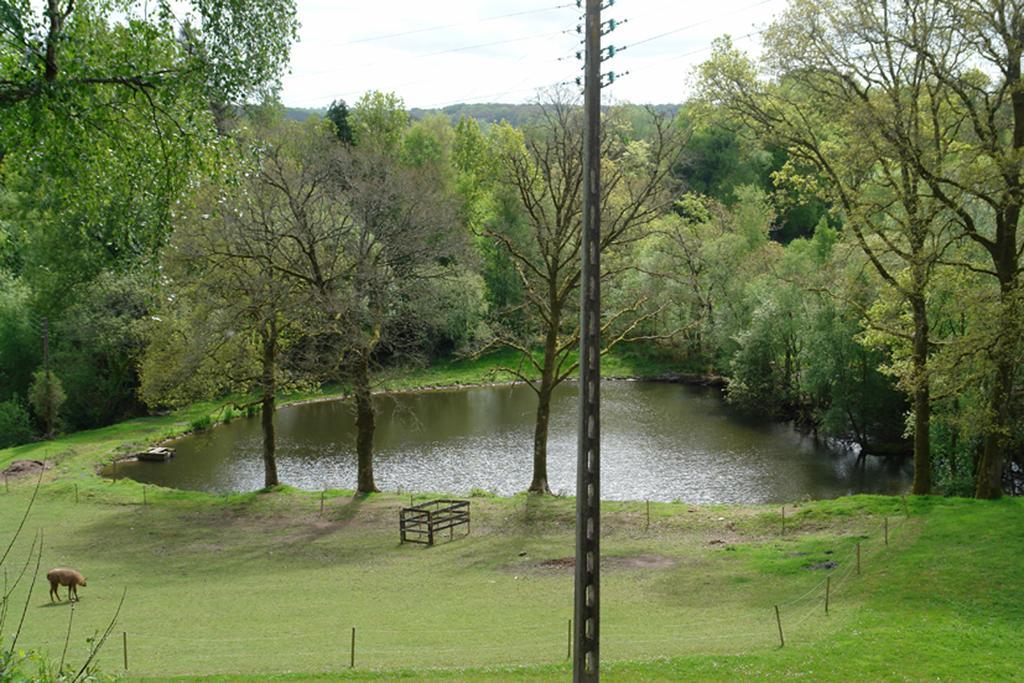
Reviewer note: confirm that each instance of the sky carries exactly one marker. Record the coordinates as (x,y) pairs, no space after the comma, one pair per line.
(452,51)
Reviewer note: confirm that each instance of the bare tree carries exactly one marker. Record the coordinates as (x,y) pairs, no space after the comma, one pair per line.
(366,234)
(544,165)
(404,233)
(233,311)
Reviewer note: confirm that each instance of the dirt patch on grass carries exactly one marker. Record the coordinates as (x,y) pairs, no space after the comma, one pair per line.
(607,563)
(22,468)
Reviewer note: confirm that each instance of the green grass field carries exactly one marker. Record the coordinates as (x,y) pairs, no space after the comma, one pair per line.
(251,586)
(260,586)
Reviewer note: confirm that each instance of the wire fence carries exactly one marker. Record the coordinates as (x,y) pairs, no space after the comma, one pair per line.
(805,617)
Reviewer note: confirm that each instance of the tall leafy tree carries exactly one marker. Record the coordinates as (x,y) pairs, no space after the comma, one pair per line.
(845,98)
(338,114)
(104,110)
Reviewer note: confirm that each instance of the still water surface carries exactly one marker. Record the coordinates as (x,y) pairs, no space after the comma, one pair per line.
(660,442)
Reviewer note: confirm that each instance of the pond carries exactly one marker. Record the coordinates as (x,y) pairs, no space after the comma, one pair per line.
(660,442)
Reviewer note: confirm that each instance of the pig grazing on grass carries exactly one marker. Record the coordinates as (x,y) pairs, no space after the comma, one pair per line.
(62,576)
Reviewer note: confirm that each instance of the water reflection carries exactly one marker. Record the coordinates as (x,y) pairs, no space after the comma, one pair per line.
(660,442)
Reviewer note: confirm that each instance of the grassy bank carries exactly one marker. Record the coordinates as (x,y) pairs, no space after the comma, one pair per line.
(78,454)
(248,586)
(262,586)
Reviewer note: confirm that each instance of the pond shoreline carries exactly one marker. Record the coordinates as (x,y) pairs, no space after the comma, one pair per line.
(690,379)
(662,442)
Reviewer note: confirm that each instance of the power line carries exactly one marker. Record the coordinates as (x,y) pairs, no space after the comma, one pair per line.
(695,24)
(691,53)
(517,88)
(453,25)
(425,55)
(496,42)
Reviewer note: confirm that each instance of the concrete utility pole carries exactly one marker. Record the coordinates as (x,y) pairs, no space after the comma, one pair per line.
(588,498)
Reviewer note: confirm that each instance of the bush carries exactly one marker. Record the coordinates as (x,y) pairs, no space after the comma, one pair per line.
(47,396)
(15,425)
(201,424)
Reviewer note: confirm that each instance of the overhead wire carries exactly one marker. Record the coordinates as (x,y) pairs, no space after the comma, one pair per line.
(687,27)
(517,88)
(441,27)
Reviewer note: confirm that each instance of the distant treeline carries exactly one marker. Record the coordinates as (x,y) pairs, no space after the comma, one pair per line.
(485,113)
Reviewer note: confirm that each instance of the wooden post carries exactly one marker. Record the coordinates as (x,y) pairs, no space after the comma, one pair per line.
(828,590)
(410,500)
(783,520)
(568,646)
(648,527)
(778,620)
(322,503)
(430,528)
(124,642)
(858,559)
(887,530)
(352,650)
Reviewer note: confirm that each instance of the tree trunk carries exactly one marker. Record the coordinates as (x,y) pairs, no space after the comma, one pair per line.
(993,455)
(364,424)
(540,433)
(1006,259)
(922,399)
(997,442)
(540,439)
(269,401)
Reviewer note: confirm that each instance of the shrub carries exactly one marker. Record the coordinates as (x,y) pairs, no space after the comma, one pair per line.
(15,425)
(201,424)
(46,396)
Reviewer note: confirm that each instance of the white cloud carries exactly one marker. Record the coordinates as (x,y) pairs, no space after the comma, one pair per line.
(464,51)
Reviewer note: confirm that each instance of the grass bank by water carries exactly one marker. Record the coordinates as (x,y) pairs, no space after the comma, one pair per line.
(254,586)
(261,586)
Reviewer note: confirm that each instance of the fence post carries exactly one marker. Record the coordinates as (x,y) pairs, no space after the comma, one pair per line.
(321,503)
(887,530)
(648,527)
(858,559)
(783,520)
(778,620)
(828,589)
(352,651)
(124,643)
(568,648)
(430,528)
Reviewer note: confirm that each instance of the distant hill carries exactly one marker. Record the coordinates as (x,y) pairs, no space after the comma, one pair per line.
(300,114)
(490,112)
